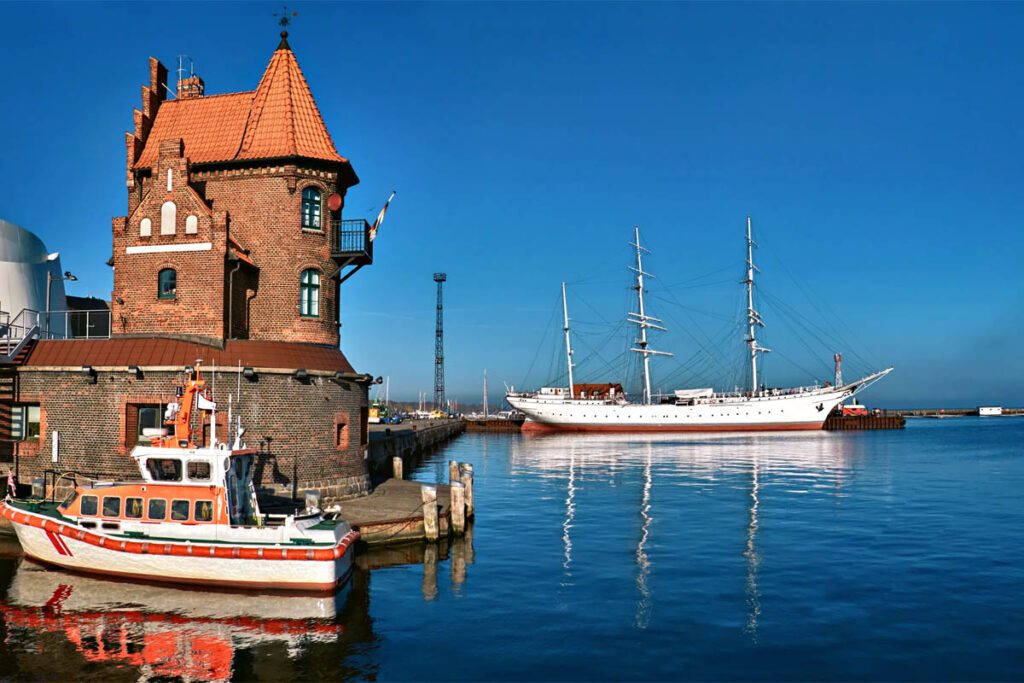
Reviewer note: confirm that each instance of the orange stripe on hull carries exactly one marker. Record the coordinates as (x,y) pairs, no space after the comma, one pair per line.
(546,428)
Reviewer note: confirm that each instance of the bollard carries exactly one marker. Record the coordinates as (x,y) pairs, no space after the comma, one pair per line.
(396,467)
(458,508)
(429,512)
(453,471)
(467,481)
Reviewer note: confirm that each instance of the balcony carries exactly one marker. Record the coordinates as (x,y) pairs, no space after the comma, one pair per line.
(350,243)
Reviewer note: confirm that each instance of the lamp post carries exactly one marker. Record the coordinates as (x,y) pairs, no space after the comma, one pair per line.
(50,279)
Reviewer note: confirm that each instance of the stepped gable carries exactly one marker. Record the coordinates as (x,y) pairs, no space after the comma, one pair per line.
(279,119)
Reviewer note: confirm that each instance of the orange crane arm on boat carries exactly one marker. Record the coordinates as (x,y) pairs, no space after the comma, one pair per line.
(182,422)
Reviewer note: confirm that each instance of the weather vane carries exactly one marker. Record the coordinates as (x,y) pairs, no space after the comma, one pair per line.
(285,17)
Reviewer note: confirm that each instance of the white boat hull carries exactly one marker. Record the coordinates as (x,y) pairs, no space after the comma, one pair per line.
(71,547)
(785,412)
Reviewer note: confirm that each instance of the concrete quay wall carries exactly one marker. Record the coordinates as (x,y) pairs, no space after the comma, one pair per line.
(408,441)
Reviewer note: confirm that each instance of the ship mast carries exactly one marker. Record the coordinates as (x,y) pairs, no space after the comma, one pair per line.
(568,346)
(642,319)
(753,317)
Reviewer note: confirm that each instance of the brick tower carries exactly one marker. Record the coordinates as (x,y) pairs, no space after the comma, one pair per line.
(233,251)
(234,213)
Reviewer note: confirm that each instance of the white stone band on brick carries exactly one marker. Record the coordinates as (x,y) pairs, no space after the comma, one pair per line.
(167,248)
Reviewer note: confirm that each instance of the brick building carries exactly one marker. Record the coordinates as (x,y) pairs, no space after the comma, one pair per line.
(233,251)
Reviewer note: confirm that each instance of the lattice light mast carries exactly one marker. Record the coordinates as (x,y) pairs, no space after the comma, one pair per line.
(439,404)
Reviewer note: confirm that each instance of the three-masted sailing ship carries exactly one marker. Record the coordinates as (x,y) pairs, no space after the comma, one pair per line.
(605,407)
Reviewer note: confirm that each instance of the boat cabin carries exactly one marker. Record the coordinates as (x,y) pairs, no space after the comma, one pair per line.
(185,486)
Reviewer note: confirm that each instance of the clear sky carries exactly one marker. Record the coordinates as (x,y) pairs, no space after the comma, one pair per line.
(878,148)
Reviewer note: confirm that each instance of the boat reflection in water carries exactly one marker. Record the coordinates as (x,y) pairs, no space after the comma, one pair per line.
(164,631)
(796,462)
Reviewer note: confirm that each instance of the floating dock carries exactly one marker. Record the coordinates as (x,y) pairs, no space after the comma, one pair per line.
(835,423)
(494,425)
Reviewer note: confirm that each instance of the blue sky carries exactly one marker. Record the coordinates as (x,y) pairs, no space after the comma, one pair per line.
(877,146)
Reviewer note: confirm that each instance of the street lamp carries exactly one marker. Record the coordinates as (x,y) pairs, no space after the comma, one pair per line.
(50,279)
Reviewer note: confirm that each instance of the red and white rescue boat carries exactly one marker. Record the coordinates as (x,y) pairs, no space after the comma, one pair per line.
(193,518)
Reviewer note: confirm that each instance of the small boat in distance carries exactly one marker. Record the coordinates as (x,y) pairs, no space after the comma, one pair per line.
(605,408)
(193,517)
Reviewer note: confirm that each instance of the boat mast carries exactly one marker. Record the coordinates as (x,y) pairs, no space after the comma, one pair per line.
(642,319)
(568,346)
(753,317)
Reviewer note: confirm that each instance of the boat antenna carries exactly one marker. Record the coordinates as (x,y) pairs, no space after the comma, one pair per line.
(642,319)
(753,317)
(568,346)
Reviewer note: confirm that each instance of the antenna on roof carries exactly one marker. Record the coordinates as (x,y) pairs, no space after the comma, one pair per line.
(182,60)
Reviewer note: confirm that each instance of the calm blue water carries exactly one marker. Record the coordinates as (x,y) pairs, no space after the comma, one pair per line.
(876,555)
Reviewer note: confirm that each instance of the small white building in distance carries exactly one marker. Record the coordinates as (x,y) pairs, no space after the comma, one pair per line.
(990,410)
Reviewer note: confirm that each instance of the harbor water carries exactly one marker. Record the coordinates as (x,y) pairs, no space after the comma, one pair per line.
(805,556)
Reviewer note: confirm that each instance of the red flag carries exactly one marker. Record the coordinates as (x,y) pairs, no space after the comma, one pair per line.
(380,217)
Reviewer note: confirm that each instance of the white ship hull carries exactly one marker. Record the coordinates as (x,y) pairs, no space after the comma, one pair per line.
(798,411)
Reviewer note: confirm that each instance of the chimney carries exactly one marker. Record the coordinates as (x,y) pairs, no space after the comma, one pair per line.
(192,86)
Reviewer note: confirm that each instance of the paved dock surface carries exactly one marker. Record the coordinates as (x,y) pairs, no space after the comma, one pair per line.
(394,512)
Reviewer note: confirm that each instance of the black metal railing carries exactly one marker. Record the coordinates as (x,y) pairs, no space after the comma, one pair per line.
(352,238)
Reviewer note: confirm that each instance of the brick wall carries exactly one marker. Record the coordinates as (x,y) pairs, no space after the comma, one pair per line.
(265,208)
(294,425)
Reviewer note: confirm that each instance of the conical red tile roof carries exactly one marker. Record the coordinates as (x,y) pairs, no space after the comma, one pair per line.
(280,119)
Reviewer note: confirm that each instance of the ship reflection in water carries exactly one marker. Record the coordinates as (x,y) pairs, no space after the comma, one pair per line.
(799,462)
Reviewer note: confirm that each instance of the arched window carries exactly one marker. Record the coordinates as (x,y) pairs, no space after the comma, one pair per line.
(311,208)
(168,215)
(309,293)
(167,284)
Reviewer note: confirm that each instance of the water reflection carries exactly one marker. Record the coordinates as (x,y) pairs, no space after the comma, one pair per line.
(570,512)
(795,463)
(163,631)
(643,607)
(753,559)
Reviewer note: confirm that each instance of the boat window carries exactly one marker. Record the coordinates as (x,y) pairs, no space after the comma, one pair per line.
(69,500)
(164,469)
(133,508)
(90,504)
(198,470)
(179,510)
(157,509)
(111,506)
(204,511)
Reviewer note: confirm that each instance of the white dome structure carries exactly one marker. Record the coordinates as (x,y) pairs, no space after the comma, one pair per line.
(24,263)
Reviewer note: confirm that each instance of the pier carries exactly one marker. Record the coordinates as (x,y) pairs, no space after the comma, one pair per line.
(398,510)
(408,441)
